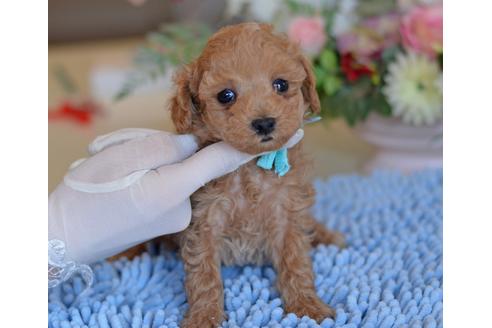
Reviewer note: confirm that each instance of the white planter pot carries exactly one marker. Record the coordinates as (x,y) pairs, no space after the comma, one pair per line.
(400,146)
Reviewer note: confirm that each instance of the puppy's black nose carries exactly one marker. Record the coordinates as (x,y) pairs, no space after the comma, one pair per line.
(263,126)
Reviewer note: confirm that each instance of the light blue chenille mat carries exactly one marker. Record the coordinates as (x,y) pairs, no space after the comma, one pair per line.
(389,276)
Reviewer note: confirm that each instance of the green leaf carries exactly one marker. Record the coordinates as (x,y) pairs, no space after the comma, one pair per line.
(127,88)
(369,8)
(320,75)
(381,105)
(389,54)
(331,84)
(171,45)
(160,39)
(65,80)
(176,31)
(300,8)
(328,60)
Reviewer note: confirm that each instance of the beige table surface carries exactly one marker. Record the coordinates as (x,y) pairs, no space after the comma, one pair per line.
(333,146)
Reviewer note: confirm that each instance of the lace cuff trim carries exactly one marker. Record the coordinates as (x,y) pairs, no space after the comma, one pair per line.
(60,269)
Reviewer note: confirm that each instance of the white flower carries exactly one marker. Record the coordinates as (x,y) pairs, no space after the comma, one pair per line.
(260,10)
(347,6)
(234,7)
(414,89)
(345,17)
(264,10)
(343,23)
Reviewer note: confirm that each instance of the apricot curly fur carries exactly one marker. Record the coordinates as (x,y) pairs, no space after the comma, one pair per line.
(250,216)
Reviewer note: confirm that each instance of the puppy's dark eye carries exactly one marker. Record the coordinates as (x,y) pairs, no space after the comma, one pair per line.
(226,96)
(280,85)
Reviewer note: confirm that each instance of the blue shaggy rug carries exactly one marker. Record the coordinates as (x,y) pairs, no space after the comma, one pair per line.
(389,276)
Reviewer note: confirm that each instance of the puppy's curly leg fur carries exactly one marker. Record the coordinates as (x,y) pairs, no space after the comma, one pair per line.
(295,276)
(203,282)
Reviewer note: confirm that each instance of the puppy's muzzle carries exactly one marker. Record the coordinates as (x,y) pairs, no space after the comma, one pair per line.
(263,126)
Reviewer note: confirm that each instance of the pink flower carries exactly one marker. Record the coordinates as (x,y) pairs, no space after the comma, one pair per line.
(421,30)
(309,32)
(370,38)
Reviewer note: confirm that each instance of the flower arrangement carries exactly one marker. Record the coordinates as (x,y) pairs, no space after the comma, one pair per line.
(373,56)
(381,56)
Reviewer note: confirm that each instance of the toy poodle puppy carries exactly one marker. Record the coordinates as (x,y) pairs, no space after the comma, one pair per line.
(250,88)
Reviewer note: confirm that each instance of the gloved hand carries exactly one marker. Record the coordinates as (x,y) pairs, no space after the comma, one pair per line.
(135,186)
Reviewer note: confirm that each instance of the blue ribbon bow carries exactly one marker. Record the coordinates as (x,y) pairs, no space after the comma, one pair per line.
(279,158)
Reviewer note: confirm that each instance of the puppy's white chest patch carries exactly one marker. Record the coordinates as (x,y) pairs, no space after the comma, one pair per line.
(245,230)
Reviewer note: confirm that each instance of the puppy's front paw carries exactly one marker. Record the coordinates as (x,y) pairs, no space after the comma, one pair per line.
(313,307)
(203,318)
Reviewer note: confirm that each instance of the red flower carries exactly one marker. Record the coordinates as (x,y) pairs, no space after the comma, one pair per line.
(352,69)
(81,114)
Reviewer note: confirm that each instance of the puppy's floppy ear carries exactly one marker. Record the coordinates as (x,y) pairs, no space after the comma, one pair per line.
(309,87)
(184,108)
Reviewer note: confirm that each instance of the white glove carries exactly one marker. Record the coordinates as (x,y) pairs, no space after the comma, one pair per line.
(134,187)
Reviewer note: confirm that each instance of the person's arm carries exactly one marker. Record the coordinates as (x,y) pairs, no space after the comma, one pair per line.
(134,187)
